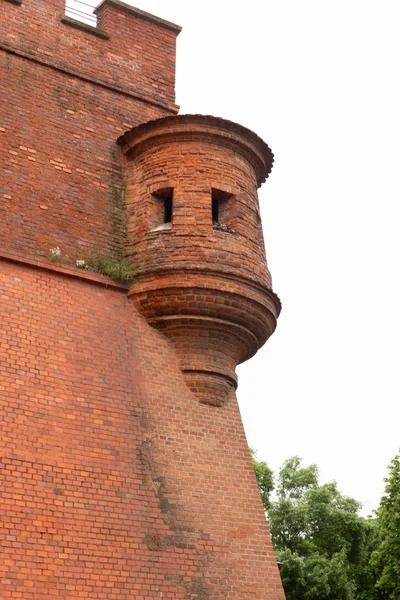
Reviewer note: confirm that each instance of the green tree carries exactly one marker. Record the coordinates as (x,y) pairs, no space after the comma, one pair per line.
(265,479)
(386,558)
(366,576)
(316,577)
(317,534)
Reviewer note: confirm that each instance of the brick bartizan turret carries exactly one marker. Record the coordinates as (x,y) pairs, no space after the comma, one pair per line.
(194,233)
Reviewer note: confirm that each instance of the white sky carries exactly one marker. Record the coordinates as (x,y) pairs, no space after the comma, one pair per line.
(319,82)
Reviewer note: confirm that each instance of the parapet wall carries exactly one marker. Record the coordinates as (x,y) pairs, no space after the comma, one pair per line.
(69,95)
(130,50)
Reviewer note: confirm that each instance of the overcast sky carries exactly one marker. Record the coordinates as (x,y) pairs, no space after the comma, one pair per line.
(319,82)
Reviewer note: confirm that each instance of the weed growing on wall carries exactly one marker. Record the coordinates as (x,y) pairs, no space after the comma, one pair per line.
(118,269)
(55,254)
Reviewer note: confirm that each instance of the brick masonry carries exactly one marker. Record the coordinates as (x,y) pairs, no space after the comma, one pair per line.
(116,482)
(204,280)
(69,96)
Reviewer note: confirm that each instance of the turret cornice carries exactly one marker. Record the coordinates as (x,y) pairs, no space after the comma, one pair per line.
(200,128)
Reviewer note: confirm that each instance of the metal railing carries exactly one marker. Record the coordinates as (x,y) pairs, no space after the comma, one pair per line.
(82,10)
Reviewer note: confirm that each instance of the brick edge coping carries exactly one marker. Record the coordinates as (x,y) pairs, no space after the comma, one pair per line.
(63,270)
(140,13)
(126,7)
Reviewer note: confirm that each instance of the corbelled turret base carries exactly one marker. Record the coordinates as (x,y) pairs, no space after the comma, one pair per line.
(214,323)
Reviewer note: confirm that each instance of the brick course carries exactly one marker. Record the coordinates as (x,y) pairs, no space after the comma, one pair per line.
(116,482)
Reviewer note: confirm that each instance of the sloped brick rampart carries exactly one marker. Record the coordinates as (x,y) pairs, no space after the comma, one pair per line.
(115,481)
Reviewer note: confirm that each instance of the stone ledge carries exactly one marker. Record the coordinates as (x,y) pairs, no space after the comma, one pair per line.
(61,269)
(85,27)
(140,13)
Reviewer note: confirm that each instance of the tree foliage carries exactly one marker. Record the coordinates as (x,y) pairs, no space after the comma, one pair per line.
(318,535)
(316,576)
(265,479)
(386,557)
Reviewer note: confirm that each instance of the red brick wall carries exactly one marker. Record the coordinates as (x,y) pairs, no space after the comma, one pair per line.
(68,96)
(116,481)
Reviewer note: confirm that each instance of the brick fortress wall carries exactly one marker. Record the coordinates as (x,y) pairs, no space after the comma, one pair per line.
(116,482)
(67,94)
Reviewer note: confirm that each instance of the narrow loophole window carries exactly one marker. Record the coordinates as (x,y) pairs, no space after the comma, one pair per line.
(168,209)
(163,209)
(215,210)
(223,209)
